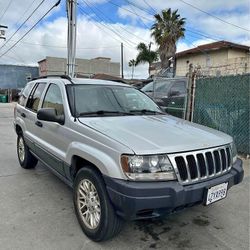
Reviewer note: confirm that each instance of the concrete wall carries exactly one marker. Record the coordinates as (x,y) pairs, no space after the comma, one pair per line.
(218,62)
(13,76)
(235,53)
(55,65)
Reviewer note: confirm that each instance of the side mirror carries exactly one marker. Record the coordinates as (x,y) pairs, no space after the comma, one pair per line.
(49,115)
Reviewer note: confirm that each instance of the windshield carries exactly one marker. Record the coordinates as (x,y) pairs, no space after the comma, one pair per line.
(107,100)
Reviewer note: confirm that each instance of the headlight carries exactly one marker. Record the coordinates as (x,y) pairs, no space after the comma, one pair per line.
(147,167)
(234,151)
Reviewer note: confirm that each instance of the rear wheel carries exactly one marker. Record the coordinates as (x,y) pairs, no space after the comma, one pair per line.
(26,159)
(94,210)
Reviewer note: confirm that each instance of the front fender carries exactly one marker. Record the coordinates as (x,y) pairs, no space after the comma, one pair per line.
(108,164)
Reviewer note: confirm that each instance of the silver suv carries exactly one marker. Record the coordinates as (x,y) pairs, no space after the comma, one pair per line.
(124,158)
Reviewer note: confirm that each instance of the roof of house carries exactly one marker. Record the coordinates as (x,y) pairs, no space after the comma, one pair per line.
(213,46)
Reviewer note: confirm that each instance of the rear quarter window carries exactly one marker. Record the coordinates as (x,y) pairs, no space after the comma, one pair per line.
(25,93)
(35,97)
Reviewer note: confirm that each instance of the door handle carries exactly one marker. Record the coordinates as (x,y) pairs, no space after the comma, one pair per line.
(39,124)
(23,115)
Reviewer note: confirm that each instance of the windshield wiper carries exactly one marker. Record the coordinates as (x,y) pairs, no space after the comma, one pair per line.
(146,111)
(103,113)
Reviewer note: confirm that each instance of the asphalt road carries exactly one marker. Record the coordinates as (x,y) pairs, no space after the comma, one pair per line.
(36,212)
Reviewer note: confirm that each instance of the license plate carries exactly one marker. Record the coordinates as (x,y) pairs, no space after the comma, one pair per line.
(216,193)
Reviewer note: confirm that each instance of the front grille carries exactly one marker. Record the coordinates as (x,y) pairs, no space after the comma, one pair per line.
(200,165)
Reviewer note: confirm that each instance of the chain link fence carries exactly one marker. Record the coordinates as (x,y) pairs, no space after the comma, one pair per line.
(223,103)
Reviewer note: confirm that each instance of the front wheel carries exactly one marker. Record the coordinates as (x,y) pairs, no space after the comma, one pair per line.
(26,159)
(94,210)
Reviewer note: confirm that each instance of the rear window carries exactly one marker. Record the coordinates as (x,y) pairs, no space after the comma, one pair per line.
(35,97)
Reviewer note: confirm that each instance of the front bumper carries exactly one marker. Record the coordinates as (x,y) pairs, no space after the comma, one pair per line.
(140,200)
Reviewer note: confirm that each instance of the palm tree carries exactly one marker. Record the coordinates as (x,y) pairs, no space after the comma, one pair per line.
(167,30)
(132,63)
(146,55)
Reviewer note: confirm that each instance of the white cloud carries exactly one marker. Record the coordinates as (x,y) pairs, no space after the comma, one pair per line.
(135,14)
(93,40)
(100,41)
(236,12)
(17,12)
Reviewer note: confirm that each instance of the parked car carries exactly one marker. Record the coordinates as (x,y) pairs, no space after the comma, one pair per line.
(124,158)
(169,93)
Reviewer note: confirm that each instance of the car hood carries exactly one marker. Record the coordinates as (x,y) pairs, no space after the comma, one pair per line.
(157,133)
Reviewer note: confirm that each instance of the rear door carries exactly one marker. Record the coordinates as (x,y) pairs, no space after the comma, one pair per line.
(30,113)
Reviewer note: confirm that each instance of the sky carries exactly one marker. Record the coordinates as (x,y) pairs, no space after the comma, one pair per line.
(103,24)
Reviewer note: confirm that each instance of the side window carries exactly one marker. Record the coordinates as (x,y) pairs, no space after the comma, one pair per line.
(148,87)
(35,97)
(53,99)
(179,88)
(25,93)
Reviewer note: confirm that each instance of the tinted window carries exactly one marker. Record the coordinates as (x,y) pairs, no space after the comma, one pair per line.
(157,86)
(35,97)
(25,93)
(179,88)
(148,87)
(162,87)
(53,99)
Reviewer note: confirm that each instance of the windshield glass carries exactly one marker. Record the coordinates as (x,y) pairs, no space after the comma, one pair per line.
(100,100)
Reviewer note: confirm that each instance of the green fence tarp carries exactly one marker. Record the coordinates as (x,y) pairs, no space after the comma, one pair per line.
(3,98)
(223,103)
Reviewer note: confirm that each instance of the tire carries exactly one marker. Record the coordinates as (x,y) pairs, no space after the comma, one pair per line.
(109,224)
(26,159)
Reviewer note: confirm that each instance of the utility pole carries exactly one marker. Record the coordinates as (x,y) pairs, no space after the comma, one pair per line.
(122,60)
(71,42)
(2,32)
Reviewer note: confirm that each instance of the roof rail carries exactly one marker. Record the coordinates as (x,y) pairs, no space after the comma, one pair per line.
(48,76)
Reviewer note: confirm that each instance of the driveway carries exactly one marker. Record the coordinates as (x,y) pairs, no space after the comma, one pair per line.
(36,212)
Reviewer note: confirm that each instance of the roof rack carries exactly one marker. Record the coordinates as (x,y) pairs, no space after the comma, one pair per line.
(48,76)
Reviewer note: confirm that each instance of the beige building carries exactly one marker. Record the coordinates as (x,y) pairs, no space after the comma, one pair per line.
(215,59)
(84,67)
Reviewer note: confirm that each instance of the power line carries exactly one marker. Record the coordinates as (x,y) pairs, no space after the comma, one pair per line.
(201,34)
(216,17)
(55,5)
(139,7)
(117,5)
(23,23)
(137,15)
(30,5)
(6,9)
(109,28)
(98,25)
(154,11)
(108,18)
(197,47)
(65,47)
(198,36)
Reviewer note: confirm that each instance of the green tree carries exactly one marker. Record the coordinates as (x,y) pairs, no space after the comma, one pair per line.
(146,55)
(132,64)
(167,30)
